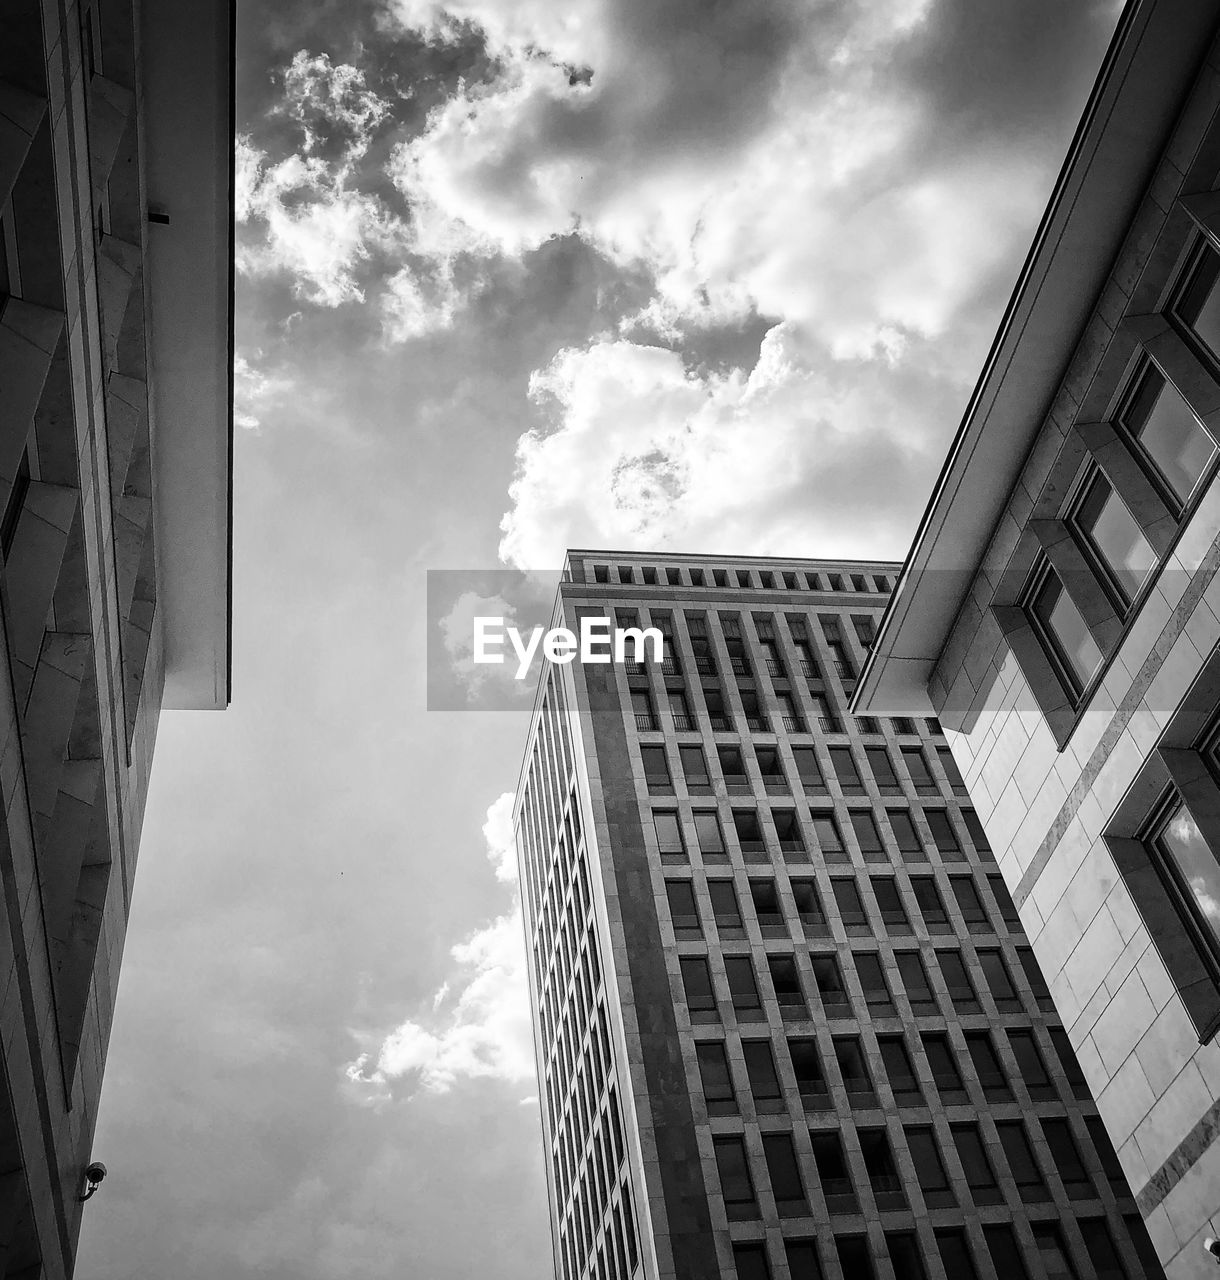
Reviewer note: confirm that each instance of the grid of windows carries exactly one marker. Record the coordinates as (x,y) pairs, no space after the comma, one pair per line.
(848,963)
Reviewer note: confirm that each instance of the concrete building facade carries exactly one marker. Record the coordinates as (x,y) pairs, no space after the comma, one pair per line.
(787,1022)
(1060,611)
(116,252)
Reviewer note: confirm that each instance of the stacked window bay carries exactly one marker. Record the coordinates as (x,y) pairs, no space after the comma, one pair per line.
(788,1025)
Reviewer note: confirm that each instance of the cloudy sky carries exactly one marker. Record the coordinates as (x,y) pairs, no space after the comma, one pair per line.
(707,275)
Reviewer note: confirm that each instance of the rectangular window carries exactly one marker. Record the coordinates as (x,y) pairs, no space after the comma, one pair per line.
(864,825)
(1099,1245)
(834,1178)
(809,771)
(716,1078)
(1106,1155)
(980,1177)
(788,833)
(679,708)
(900,1072)
(641,706)
(845,770)
(1068,1061)
(785,1175)
(1022,1161)
(1003,900)
(770,769)
(987,1068)
(881,1170)
(829,982)
(656,771)
(1190,867)
(743,988)
(974,828)
(725,909)
(944,1068)
(905,835)
(716,712)
(1067,1161)
(735,1183)
(708,834)
(803,1260)
(787,984)
(683,910)
(928,899)
(1037,983)
(1106,527)
(889,902)
(949,765)
(694,769)
(810,1079)
(830,841)
(809,908)
(915,983)
(697,984)
(853,1252)
(943,835)
(1031,1066)
(882,768)
(752,709)
(669,836)
(876,990)
(955,1254)
(917,768)
(930,1169)
(1168,434)
(1063,630)
(1197,301)
(851,908)
(998,982)
(957,979)
(749,832)
(1005,1252)
(970,904)
(854,1070)
(764,1081)
(1049,1243)
(732,765)
(767,909)
(750,1260)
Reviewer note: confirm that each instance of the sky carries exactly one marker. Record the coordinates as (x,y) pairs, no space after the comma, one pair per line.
(707,275)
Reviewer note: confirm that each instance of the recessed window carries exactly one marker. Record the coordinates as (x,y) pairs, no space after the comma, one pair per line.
(810,1079)
(930,1169)
(830,841)
(1198,302)
(682,908)
(750,1261)
(864,825)
(1169,434)
(980,1177)
(743,988)
(697,985)
(764,1080)
(669,836)
(785,1174)
(708,834)
(1110,530)
(716,1078)
(1193,868)
(1065,631)
(735,1182)
(725,909)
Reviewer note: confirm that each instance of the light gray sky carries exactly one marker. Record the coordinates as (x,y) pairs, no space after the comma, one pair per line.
(708,276)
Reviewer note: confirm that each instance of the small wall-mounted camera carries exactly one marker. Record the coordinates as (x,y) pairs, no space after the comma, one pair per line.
(94,1173)
(1211,1246)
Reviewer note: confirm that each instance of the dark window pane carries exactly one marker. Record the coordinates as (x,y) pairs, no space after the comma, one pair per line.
(1067,631)
(715,1077)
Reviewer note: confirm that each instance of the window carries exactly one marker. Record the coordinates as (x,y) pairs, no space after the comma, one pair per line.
(1099,1245)
(1106,1155)
(829,982)
(716,1078)
(957,979)
(881,1170)
(1005,1252)
(917,768)
(679,708)
(1022,1161)
(987,1069)
(830,841)
(1193,870)
(866,629)
(854,1070)
(1063,630)
(767,908)
(789,713)
(969,904)
(883,771)
(1030,1065)
(845,770)
(785,1174)
(809,908)
(998,982)
(656,771)
(733,768)
(787,984)
(760,1068)
(1071,1067)
(980,1177)
(770,768)
(867,836)
(949,765)
(809,771)
(810,1080)
(955,1254)
(876,990)
(749,832)
(853,1250)
(889,902)
(1003,900)
(716,712)
(943,835)
(904,1084)
(1107,528)
(708,835)
(683,910)
(1055,1260)
(905,835)
(833,1175)
(1066,1156)
(930,1169)
(750,706)
(725,910)
(601,573)
(851,907)
(743,988)
(694,769)
(697,984)
(827,721)
(974,828)
(669,836)
(735,1183)
(750,1260)
(641,706)
(1197,305)
(945,1074)
(1037,984)
(927,897)
(915,983)
(1168,434)
(788,833)
(803,1261)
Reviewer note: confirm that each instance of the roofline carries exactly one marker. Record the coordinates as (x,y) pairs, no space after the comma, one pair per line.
(1148,72)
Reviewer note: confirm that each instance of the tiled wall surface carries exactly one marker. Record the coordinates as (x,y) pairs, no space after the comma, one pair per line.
(1045,808)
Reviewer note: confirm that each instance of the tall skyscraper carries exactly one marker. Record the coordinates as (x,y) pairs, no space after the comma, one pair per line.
(116,257)
(787,1023)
